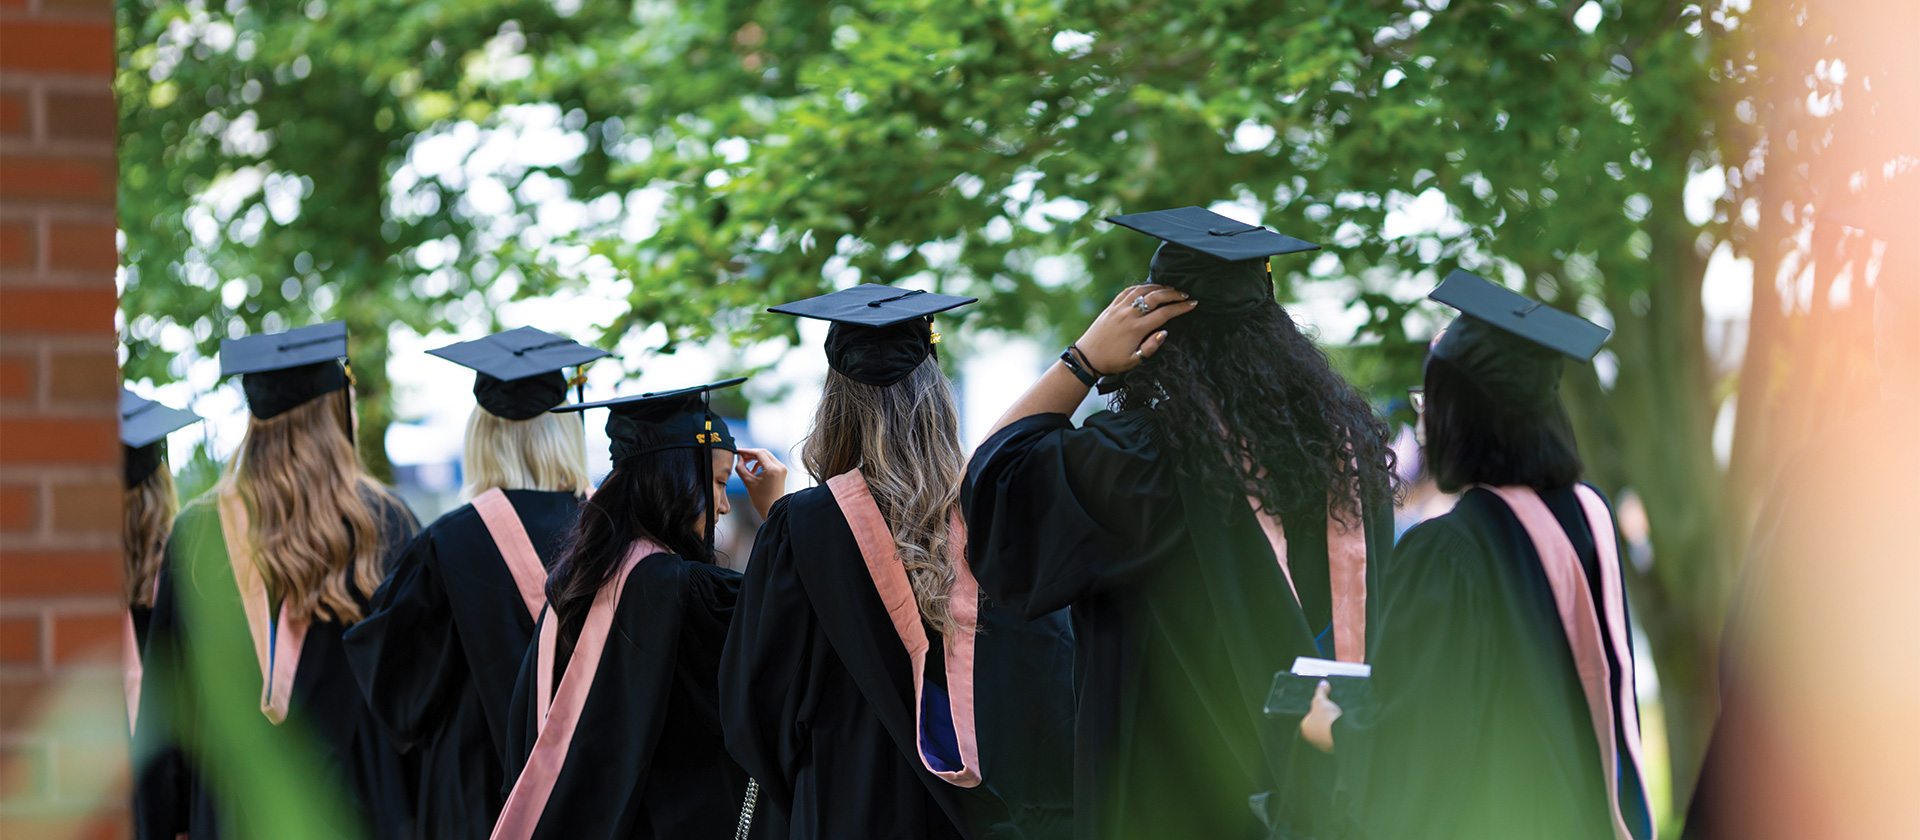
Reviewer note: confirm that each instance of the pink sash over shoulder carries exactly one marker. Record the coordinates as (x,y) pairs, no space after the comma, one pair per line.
(510,537)
(275,644)
(1347,574)
(877,548)
(557,712)
(130,668)
(1588,640)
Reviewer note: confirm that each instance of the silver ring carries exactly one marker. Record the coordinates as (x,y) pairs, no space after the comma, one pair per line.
(1140,303)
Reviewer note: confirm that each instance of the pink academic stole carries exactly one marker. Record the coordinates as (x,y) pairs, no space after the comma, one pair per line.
(510,537)
(1585,636)
(276,646)
(557,713)
(877,548)
(1346,572)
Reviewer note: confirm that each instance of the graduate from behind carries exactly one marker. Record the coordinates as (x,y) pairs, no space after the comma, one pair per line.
(1827,588)
(283,553)
(438,654)
(867,684)
(1216,525)
(615,725)
(147,512)
(1502,662)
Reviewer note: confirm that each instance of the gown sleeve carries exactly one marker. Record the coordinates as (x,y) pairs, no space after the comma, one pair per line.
(763,670)
(162,779)
(1433,668)
(1055,514)
(406,653)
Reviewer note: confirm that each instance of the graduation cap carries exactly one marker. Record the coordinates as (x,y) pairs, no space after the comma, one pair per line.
(1220,262)
(880,333)
(284,370)
(1511,345)
(144,426)
(639,424)
(517,372)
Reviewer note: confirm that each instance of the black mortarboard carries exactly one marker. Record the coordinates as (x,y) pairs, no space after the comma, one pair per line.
(518,371)
(1220,262)
(284,370)
(880,333)
(144,426)
(1509,344)
(639,424)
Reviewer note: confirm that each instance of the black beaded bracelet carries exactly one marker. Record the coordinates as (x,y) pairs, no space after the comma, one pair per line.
(1074,367)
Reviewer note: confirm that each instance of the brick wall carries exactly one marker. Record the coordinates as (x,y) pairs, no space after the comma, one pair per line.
(62,742)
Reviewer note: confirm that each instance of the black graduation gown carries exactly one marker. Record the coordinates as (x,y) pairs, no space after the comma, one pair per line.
(1181,618)
(1824,600)
(438,656)
(1482,730)
(647,758)
(817,698)
(201,755)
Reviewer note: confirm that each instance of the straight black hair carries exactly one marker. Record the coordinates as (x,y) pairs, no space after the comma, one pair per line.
(661,496)
(1474,439)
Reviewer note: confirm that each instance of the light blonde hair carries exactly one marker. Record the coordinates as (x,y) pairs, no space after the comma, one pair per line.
(548,452)
(310,504)
(905,440)
(146,518)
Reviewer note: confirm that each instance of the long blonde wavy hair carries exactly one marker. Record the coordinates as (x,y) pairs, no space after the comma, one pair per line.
(146,518)
(905,440)
(548,452)
(310,505)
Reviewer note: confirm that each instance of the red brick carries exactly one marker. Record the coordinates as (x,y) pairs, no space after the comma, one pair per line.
(87,507)
(93,638)
(20,641)
(58,310)
(14,114)
(81,116)
(19,507)
(65,440)
(16,244)
(19,703)
(16,377)
(49,46)
(42,574)
(13,4)
(77,7)
(84,376)
(83,245)
(74,179)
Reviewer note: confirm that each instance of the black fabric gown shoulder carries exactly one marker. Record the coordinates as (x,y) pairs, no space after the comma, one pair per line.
(244,771)
(1826,587)
(438,655)
(1482,729)
(647,758)
(817,697)
(1181,617)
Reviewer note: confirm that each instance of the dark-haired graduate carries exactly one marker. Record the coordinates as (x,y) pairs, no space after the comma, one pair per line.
(615,729)
(1502,664)
(249,717)
(1214,526)
(147,512)
(438,654)
(867,685)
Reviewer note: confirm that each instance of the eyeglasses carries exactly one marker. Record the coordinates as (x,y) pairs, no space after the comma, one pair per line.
(1418,397)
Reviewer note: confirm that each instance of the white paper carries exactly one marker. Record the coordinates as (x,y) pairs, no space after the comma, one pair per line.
(1307,666)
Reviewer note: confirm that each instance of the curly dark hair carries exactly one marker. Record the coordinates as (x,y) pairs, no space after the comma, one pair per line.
(1267,412)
